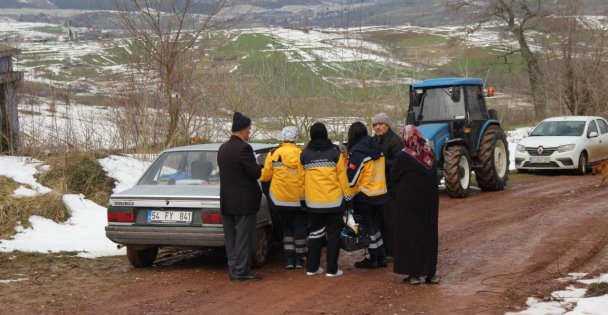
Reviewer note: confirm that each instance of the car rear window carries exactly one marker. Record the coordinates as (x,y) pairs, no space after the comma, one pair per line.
(183,168)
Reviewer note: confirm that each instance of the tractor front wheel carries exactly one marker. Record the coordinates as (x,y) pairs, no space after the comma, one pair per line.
(493,168)
(457,171)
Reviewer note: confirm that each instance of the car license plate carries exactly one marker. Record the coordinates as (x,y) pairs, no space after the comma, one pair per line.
(540,159)
(160,216)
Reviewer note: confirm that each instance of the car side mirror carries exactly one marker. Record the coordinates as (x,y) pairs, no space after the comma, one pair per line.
(592,134)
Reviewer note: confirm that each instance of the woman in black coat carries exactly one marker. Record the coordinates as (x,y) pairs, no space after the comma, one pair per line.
(416,209)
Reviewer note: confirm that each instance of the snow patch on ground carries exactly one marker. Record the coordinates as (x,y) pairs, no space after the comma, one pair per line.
(22,170)
(570,301)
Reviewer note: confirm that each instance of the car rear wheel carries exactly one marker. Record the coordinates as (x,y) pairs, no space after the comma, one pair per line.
(582,164)
(457,171)
(262,246)
(141,258)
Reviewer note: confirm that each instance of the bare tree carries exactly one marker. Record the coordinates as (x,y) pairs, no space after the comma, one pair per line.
(575,60)
(519,18)
(166,34)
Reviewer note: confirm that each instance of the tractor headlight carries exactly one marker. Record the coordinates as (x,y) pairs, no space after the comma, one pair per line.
(520,148)
(565,148)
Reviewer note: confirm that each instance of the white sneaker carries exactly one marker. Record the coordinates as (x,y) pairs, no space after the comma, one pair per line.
(314,273)
(337,274)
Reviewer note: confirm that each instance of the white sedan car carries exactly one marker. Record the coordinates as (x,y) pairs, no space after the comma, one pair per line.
(567,142)
(176,203)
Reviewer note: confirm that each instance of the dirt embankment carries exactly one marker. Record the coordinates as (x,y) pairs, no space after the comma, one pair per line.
(496,249)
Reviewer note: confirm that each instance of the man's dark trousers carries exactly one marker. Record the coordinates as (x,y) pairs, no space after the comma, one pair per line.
(240,235)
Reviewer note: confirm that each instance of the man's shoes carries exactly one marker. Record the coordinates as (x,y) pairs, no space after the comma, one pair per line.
(367,264)
(247,277)
(432,279)
(337,274)
(314,273)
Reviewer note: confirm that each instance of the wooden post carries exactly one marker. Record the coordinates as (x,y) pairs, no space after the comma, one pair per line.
(9,114)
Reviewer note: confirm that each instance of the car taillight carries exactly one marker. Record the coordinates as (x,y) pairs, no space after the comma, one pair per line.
(215,218)
(121,217)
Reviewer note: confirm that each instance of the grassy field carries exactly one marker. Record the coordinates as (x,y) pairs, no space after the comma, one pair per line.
(327,71)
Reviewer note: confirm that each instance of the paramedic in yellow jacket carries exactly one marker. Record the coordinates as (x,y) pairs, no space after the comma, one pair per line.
(327,196)
(365,169)
(286,175)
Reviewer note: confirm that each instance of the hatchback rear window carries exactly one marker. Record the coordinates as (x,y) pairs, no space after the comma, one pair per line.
(183,168)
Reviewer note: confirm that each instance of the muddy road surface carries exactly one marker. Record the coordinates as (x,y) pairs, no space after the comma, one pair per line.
(495,250)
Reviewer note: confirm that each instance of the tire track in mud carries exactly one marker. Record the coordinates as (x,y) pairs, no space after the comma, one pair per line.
(506,246)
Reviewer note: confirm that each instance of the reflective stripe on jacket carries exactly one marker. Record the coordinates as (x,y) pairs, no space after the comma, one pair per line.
(325,181)
(286,175)
(366,172)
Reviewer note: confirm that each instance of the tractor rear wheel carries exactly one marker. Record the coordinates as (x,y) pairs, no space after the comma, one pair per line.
(493,168)
(457,171)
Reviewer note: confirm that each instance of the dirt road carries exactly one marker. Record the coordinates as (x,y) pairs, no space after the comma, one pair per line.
(495,250)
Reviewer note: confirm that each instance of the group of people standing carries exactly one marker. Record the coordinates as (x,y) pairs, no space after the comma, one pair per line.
(386,179)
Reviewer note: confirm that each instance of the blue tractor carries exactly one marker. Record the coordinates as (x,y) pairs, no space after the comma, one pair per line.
(451,113)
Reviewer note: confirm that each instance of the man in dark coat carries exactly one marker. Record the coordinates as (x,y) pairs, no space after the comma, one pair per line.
(390,145)
(240,196)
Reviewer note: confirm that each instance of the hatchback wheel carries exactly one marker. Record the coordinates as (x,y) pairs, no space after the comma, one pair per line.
(262,246)
(140,258)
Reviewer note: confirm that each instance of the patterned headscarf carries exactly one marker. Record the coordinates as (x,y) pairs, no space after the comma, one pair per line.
(416,146)
(289,133)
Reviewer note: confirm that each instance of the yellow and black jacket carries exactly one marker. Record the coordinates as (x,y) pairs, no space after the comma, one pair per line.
(326,187)
(286,175)
(366,172)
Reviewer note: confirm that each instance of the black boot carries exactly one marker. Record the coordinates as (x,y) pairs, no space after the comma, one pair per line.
(381,257)
(366,264)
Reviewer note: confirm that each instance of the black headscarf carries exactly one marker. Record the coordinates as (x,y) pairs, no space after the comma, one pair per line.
(356,132)
(318,138)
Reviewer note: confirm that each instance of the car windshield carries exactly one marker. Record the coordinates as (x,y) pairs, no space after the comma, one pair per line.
(559,128)
(183,168)
(438,104)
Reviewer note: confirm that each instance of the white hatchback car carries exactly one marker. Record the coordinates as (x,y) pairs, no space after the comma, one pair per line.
(567,142)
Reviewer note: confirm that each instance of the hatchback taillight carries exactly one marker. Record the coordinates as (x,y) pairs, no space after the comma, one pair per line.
(121,217)
(214,218)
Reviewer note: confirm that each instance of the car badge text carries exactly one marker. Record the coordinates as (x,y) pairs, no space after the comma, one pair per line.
(167,202)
